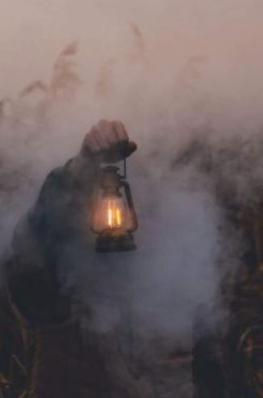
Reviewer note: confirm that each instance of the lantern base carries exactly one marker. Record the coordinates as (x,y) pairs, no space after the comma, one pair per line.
(108,244)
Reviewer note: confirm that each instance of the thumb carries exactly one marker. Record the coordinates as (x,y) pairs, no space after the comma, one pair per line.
(131,147)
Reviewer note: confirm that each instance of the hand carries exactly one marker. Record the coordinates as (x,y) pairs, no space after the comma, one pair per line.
(108,141)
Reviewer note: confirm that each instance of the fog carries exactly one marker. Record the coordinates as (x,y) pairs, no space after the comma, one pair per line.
(172,71)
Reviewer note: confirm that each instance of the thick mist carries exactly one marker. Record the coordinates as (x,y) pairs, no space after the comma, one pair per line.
(174,72)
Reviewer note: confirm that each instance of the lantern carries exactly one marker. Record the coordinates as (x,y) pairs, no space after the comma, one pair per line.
(113,216)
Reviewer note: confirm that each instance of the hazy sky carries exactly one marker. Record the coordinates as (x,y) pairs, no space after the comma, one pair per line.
(228,34)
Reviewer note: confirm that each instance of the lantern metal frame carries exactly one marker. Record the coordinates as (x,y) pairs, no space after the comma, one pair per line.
(111,240)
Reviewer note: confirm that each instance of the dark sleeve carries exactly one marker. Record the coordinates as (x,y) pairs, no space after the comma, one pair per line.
(31,275)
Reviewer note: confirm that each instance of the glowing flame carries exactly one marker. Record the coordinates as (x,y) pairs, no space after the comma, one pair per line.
(114,215)
(118,217)
(110,217)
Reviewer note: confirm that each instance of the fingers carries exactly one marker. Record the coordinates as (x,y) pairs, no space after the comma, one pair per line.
(106,133)
(121,132)
(90,142)
(109,138)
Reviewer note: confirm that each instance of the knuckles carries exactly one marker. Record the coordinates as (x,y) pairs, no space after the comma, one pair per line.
(106,134)
(108,138)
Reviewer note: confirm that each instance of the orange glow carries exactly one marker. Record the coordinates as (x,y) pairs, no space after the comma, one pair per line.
(114,215)
(110,217)
(118,217)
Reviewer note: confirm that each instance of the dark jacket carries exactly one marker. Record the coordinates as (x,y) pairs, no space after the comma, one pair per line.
(66,362)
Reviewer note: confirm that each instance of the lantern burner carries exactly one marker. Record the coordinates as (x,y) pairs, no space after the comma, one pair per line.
(107,243)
